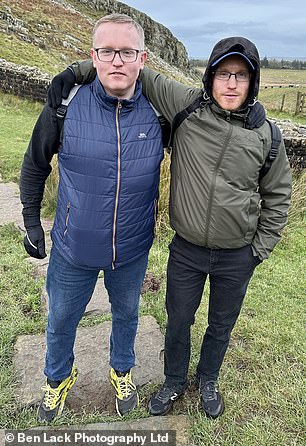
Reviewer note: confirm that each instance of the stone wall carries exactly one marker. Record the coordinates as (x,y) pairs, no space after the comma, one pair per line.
(295,142)
(27,82)
(31,83)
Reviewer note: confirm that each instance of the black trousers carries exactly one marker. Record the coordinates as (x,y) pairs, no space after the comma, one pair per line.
(230,271)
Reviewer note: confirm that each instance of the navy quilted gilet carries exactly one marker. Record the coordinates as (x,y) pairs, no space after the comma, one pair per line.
(109,166)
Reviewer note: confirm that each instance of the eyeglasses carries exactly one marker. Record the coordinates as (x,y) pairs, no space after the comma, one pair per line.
(242,76)
(108,55)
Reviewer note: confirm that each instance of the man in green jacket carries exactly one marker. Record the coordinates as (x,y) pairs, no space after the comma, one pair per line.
(226,221)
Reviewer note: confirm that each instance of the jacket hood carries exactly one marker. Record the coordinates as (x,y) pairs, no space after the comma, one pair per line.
(246,49)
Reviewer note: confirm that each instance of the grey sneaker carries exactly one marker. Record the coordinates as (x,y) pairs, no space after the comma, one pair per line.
(162,402)
(211,400)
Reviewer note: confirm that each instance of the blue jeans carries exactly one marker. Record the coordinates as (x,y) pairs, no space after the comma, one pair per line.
(70,289)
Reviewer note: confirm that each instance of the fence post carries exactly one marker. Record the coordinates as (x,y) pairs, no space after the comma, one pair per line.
(302,103)
(299,102)
(283,102)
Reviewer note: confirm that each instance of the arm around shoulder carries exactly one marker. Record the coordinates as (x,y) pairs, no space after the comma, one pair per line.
(168,96)
(84,71)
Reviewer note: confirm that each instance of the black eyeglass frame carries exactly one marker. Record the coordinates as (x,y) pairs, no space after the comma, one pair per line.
(120,54)
(229,75)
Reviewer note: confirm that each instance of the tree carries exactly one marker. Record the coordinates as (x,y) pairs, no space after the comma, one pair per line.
(264,62)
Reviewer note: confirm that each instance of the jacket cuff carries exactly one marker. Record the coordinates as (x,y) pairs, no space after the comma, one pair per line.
(31,220)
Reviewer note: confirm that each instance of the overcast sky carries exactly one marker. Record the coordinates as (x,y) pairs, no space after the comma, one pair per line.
(277,27)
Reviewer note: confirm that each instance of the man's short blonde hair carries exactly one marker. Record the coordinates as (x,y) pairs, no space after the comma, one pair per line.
(120,18)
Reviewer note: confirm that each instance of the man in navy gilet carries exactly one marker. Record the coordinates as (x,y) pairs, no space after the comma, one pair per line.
(109,156)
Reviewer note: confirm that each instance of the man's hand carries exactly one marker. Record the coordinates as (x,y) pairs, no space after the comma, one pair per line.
(34,242)
(60,87)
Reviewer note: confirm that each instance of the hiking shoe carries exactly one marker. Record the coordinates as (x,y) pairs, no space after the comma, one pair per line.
(162,402)
(127,397)
(53,400)
(211,400)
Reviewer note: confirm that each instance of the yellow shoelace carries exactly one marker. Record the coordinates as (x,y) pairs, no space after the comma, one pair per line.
(126,386)
(51,396)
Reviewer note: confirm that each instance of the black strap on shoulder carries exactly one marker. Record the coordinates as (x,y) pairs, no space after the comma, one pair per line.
(276,137)
(60,114)
(166,130)
(182,115)
(62,109)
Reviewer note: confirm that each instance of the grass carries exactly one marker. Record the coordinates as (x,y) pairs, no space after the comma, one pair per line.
(299,119)
(280,80)
(279,77)
(18,117)
(272,99)
(55,36)
(50,36)
(264,369)
(262,376)
(19,314)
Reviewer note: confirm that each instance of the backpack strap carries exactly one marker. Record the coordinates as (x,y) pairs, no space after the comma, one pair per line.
(165,126)
(276,137)
(62,109)
(181,116)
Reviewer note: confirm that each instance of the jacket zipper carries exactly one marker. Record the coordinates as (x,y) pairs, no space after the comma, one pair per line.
(213,184)
(67,218)
(119,106)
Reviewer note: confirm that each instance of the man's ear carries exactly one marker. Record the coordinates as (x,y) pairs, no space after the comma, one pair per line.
(93,55)
(143,58)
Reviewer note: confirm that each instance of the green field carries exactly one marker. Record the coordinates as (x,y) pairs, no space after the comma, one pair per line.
(279,89)
(282,77)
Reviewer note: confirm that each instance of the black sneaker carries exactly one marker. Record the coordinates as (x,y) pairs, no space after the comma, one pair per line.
(162,402)
(211,400)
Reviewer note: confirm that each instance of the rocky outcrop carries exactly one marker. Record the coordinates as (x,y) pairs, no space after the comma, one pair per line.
(40,33)
(158,38)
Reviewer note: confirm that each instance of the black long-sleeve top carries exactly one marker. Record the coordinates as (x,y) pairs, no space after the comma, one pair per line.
(36,166)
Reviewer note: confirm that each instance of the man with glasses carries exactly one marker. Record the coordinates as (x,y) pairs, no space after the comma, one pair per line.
(226,219)
(109,156)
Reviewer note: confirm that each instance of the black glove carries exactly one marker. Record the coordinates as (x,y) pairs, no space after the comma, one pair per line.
(34,242)
(60,87)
